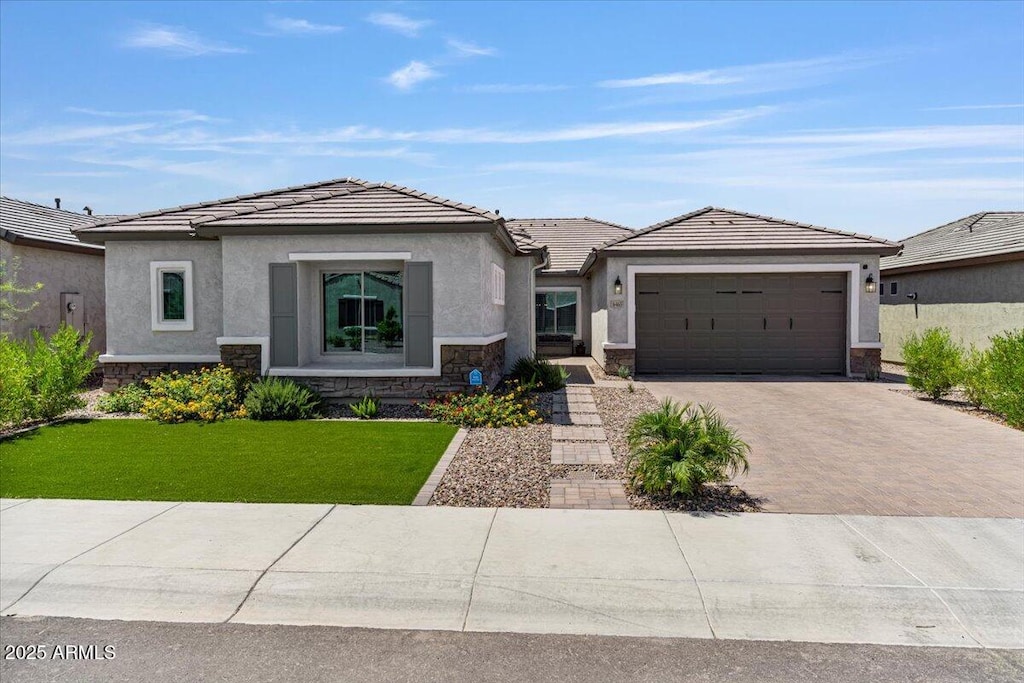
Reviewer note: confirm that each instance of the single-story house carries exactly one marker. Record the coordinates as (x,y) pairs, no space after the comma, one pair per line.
(351,287)
(967,276)
(39,243)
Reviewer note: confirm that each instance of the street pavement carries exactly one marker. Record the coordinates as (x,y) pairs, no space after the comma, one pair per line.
(179,653)
(953,582)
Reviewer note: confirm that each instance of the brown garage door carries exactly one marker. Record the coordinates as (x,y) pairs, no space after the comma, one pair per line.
(787,323)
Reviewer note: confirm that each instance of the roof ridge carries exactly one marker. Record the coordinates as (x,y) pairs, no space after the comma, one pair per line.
(326,194)
(419,194)
(570,218)
(224,200)
(656,226)
(976,216)
(810,226)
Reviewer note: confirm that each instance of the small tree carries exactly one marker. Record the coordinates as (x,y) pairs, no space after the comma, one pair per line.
(389,330)
(934,362)
(11,290)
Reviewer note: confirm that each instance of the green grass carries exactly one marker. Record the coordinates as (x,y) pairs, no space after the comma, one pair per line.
(237,460)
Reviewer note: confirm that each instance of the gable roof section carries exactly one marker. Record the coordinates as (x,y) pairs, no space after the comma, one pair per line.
(347,202)
(989,235)
(717,231)
(42,226)
(569,240)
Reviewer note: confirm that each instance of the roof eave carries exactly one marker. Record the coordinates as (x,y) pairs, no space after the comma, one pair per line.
(81,248)
(953,263)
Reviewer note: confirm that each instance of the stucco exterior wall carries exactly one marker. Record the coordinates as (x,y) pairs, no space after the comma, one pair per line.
(518,308)
(599,310)
(583,306)
(129,313)
(458,271)
(618,322)
(59,271)
(973,302)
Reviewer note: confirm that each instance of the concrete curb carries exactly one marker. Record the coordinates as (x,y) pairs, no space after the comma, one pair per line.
(423,497)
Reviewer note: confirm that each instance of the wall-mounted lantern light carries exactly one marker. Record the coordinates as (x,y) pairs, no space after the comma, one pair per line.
(869,284)
(618,286)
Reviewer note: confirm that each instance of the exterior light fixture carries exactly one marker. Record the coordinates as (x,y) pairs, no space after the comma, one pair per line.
(869,284)
(618,286)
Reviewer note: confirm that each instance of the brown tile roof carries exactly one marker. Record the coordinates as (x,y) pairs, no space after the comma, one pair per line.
(346,201)
(714,229)
(21,220)
(569,240)
(980,235)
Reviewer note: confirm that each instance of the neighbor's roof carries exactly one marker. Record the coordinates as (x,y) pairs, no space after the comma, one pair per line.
(569,240)
(341,202)
(979,236)
(42,226)
(713,230)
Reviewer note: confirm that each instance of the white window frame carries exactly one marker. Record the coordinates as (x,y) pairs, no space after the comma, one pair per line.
(156,271)
(497,284)
(577,333)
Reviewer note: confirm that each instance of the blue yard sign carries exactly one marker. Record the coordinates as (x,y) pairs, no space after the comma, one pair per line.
(476,378)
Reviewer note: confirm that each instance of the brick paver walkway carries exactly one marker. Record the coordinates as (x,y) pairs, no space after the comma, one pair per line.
(598,494)
(577,438)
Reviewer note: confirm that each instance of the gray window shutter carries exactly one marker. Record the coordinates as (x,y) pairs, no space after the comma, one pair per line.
(419,314)
(284,318)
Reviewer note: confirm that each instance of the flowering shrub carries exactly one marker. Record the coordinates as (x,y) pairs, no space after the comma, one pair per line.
(512,407)
(206,395)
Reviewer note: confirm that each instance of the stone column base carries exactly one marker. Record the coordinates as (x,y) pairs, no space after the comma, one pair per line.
(245,358)
(865,362)
(619,358)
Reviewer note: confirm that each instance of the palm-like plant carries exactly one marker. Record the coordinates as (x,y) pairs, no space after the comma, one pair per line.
(677,449)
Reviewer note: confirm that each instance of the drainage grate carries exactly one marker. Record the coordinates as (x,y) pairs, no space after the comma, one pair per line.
(582,475)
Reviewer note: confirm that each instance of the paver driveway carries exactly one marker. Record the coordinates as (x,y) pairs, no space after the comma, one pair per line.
(841,446)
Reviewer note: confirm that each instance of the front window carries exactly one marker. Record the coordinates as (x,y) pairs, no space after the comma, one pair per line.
(362,312)
(171,285)
(557,313)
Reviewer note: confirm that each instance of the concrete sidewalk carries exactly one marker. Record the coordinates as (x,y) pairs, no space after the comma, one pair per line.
(884,580)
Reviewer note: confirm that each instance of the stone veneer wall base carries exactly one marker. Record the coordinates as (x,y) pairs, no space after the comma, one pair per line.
(865,362)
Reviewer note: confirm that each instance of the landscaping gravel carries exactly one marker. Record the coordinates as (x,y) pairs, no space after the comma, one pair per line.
(503,467)
(957,400)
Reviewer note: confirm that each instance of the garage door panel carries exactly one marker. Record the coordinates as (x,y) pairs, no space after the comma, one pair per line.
(749,323)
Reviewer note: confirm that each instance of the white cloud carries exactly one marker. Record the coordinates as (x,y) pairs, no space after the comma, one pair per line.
(467,49)
(301,26)
(399,23)
(174,115)
(177,41)
(411,75)
(762,77)
(963,107)
(510,88)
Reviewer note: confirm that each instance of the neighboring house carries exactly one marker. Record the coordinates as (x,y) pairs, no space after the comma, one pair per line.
(40,240)
(561,301)
(295,282)
(967,276)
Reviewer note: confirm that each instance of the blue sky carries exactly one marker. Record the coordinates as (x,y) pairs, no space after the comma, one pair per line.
(876,117)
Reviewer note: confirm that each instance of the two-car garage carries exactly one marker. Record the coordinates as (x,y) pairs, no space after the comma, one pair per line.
(773,323)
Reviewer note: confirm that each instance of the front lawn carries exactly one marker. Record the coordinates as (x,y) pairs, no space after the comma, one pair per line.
(236,460)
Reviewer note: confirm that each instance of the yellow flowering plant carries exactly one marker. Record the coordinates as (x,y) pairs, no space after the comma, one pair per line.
(207,395)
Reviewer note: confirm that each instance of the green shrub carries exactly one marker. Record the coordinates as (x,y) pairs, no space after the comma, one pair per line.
(676,450)
(934,362)
(274,398)
(1004,369)
(127,399)
(623,372)
(15,383)
(510,408)
(59,367)
(206,395)
(539,372)
(40,379)
(367,408)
